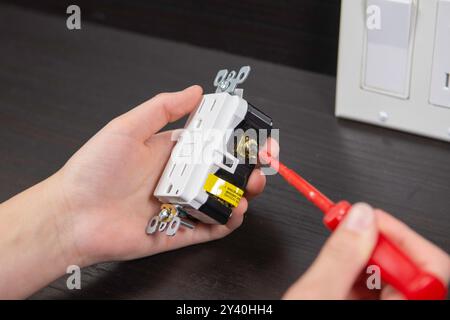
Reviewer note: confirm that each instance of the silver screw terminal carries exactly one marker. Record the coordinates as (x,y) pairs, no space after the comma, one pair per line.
(224,85)
(169,219)
(164,214)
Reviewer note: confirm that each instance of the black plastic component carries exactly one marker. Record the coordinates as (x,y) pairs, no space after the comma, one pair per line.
(216,210)
(254,119)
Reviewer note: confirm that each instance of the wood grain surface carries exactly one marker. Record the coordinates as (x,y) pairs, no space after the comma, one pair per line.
(57,88)
(299,33)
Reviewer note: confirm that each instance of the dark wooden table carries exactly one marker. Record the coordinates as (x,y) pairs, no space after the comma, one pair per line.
(58,87)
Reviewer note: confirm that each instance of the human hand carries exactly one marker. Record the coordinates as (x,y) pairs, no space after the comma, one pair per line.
(107,186)
(339,270)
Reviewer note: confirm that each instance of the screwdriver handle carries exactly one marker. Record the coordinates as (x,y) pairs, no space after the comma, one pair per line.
(396,268)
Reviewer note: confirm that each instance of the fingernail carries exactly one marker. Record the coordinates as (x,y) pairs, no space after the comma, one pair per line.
(360,218)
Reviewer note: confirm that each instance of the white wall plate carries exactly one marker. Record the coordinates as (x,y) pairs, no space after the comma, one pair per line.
(412,109)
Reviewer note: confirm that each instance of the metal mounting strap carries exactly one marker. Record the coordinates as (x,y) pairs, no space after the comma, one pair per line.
(227,81)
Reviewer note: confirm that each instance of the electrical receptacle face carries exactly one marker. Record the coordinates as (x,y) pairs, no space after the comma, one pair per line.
(394,65)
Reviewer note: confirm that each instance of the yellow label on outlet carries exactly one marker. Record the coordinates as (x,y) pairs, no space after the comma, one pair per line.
(223,190)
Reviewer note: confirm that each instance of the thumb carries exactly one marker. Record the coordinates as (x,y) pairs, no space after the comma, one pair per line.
(149,117)
(341,260)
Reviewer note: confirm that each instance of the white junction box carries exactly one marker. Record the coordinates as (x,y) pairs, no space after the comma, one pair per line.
(394,65)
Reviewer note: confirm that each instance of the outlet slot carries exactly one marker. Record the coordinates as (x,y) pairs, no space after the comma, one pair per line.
(447,81)
(184,169)
(198,124)
(171,170)
(213,105)
(169,188)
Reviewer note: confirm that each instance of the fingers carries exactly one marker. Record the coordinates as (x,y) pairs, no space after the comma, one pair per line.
(389,293)
(149,117)
(257,180)
(255,185)
(342,258)
(271,148)
(428,256)
(220,231)
(238,215)
(268,153)
(160,146)
(207,232)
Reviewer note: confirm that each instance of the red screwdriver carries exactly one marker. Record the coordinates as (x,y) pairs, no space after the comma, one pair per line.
(396,268)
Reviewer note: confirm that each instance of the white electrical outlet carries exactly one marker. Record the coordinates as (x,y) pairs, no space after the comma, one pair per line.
(396,79)
(209,167)
(200,150)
